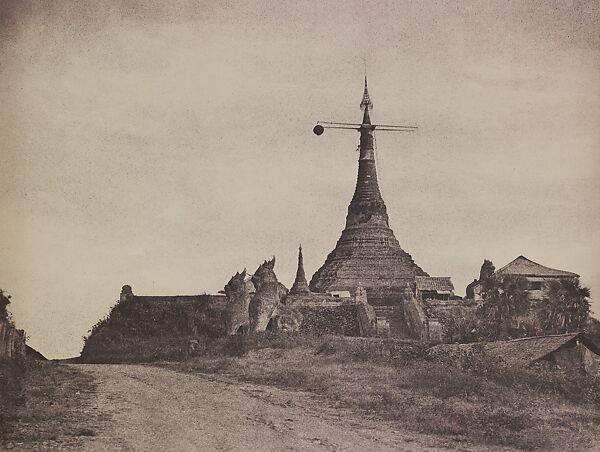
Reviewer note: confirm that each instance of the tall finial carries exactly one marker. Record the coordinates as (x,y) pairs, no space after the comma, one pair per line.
(365,128)
(366,103)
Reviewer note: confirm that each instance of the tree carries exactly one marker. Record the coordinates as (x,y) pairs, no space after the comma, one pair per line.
(487,279)
(592,329)
(487,270)
(504,298)
(566,306)
(462,325)
(4,302)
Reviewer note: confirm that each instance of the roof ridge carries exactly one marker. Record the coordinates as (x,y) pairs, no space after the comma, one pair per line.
(544,267)
(516,259)
(542,337)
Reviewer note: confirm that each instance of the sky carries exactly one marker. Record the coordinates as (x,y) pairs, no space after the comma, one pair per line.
(167,145)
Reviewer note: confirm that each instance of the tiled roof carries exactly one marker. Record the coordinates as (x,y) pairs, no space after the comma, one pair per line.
(521,352)
(441,283)
(527,350)
(522,266)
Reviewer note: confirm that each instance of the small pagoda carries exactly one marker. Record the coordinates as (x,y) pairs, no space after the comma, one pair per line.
(300,285)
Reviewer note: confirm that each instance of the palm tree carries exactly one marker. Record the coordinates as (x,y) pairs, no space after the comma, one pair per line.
(505,297)
(566,306)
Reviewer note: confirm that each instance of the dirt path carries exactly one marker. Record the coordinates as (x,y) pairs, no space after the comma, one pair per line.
(158,409)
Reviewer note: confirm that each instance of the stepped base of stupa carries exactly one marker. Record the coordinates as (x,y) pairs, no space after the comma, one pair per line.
(372,258)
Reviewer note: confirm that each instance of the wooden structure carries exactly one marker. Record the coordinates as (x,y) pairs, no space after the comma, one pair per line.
(433,288)
(537,276)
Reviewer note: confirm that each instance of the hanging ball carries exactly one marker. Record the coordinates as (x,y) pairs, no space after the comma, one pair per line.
(318,129)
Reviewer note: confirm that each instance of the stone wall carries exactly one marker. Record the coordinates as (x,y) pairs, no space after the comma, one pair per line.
(415,317)
(330,318)
(365,313)
(323,313)
(442,314)
(139,318)
(177,315)
(388,296)
(312,298)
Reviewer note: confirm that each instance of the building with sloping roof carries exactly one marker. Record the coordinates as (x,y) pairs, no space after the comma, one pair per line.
(571,351)
(522,266)
(537,277)
(433,288)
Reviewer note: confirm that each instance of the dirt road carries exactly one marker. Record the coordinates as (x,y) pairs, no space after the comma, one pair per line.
(155,409)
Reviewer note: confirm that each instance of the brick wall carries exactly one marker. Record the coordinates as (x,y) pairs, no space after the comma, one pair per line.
(340,318)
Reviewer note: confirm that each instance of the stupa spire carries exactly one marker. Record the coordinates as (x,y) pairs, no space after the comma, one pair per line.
(367,253)
(300,284)
(367,202)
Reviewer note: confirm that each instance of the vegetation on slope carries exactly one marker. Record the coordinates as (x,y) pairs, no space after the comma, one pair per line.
(475,400)
(139,330)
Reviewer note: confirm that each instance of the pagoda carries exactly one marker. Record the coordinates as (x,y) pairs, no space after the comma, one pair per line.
(367,253)
(300,285)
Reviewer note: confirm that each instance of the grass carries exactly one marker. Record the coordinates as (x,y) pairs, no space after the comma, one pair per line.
(480,403)
(53,407)
(11,391)
(137,350)
(468,398)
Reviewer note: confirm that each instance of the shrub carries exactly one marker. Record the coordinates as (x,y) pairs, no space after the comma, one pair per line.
(138,330)
(573,385)
(371,349)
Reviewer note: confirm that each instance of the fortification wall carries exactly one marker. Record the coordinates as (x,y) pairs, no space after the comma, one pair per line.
(204,298)
(310,299)
(330,318)
(167,301)
(173,315)
(323,313)
(390,295)
(135,320)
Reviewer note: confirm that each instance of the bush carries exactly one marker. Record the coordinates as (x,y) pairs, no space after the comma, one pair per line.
(138,330)
(390,350)
(573,385)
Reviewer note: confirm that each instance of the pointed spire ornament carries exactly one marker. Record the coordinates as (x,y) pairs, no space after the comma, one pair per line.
(300,284)
(366,103)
